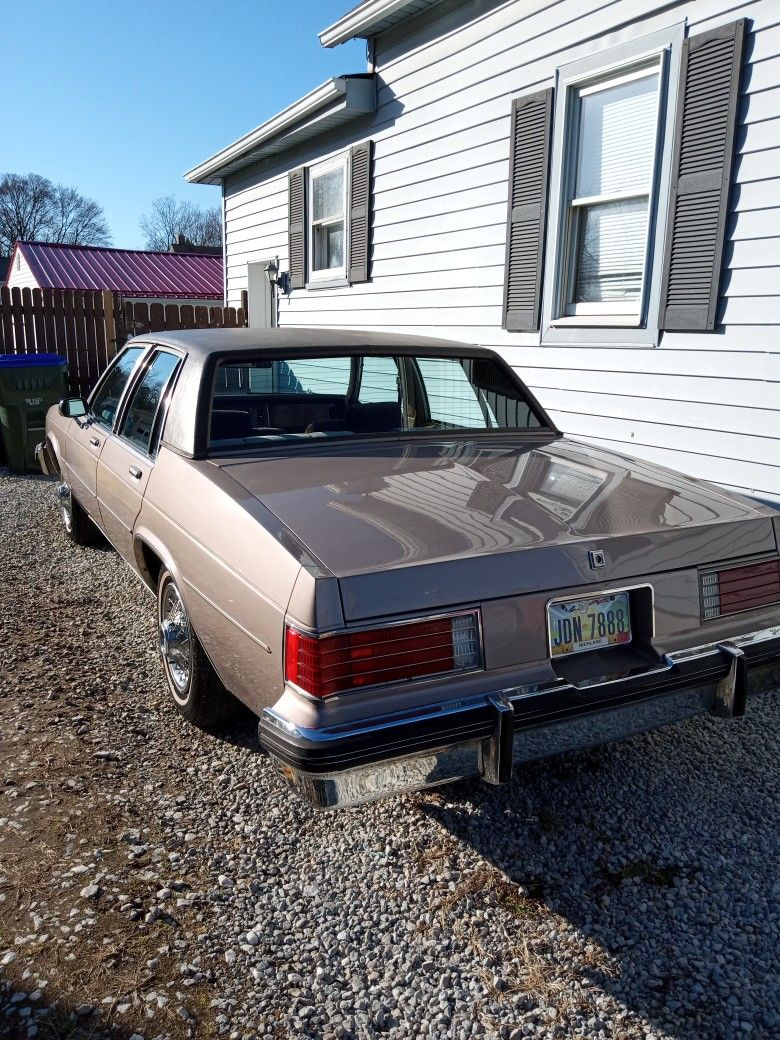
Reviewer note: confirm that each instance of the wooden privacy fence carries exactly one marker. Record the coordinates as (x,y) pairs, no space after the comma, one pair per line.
(89,327)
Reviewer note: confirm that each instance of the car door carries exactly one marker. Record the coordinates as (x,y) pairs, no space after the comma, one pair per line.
(128,455)
(87,435)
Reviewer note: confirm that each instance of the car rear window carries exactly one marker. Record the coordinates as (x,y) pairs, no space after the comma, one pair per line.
(260,400)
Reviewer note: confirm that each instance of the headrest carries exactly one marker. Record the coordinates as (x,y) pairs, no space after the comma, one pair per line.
(230,424)
(378,416)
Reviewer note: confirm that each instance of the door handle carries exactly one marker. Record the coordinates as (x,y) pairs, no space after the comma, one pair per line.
(134,471)
(95,442)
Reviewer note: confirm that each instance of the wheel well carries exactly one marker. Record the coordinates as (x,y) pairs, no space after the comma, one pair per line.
(151,565)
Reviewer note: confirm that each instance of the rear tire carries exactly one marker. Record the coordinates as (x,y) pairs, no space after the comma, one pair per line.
(195,687)
(78,526)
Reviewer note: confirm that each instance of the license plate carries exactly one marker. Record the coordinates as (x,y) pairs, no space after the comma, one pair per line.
(576,625)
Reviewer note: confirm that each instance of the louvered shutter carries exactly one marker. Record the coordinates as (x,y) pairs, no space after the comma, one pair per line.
(528,177)
(701,177)
(296,189)
(359,212)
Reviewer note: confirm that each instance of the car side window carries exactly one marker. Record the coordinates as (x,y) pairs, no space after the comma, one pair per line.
(105,403)
(139,425)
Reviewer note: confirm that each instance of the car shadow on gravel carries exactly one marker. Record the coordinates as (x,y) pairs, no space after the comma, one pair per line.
(239,731)
(660,855)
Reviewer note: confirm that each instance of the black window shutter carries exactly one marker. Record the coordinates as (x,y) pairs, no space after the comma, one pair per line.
(360,212)
(296,189)
(701,177)
(529,163)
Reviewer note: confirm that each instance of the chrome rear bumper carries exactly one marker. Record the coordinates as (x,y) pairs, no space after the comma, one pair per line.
(490,734)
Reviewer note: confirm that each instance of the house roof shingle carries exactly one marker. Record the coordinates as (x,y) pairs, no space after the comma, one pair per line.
(131,272)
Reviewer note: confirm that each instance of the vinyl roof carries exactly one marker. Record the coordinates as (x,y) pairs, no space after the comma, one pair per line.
(203,342)
(131,272)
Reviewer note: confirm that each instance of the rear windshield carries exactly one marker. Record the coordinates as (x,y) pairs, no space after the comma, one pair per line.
(257,401)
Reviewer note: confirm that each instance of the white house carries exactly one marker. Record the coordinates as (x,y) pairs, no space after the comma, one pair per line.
(594,190)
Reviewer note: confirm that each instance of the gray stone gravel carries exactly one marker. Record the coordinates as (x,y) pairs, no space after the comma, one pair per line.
(157,881)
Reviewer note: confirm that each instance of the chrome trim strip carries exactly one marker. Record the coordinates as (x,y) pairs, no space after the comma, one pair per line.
(226,616)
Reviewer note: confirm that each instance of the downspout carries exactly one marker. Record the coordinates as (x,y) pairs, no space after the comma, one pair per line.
(224,244)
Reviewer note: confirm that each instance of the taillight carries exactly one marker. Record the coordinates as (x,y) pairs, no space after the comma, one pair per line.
(732,589)
(325,665)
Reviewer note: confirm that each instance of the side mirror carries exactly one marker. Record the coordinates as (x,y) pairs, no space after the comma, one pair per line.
(73,407)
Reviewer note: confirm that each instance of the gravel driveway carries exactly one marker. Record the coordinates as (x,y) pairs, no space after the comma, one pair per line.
(157,881)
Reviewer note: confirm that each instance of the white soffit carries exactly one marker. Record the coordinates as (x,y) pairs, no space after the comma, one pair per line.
(336,102)
(370,18)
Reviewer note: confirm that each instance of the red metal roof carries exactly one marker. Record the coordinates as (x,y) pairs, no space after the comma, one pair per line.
(131,272)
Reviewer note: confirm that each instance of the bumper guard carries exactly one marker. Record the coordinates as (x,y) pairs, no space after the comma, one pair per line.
(488,735)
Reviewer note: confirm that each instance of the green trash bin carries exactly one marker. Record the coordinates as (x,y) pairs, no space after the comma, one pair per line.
(29,385)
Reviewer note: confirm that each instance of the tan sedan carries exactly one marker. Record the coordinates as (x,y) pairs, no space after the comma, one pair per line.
(383,547)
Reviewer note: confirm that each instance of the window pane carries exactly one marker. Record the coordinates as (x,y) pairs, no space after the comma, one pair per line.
(310,376)
(379,380)
(321,375)
(328,192)
(139,420)
(610,254)
(329,247)
(315,397)
(617,135)
(452,398)
(105,404)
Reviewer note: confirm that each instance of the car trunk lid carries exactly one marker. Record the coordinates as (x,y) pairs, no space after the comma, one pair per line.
(416,526)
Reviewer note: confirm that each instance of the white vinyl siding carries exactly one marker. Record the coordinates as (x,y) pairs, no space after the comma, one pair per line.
(20,276)
(708,404)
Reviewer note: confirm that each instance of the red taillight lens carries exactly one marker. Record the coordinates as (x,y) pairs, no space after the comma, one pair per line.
(396,654)
(730,590)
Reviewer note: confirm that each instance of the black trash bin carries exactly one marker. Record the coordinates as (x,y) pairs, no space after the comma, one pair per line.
(29,385)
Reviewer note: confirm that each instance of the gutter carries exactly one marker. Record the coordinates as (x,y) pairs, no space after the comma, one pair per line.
(342,97)
(361,21)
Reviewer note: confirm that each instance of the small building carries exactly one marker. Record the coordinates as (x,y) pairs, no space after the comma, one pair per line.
(136,274)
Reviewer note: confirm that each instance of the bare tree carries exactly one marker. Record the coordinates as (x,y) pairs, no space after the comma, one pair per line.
(171,217)
(77,220)
(25,204)
(210,231)
(32,208)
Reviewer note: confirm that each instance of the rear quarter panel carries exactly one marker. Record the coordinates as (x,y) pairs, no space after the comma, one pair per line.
(235,575)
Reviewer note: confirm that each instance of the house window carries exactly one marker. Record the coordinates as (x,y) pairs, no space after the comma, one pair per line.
(327,223)
(612,158)
(610,170)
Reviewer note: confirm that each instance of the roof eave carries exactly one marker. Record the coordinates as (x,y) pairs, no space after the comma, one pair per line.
(369,18)
(336,101)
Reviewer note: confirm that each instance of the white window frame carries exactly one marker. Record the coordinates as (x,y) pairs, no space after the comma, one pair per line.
(612,322)
(328,275)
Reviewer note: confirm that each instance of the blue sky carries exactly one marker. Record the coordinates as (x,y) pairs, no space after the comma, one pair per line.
(120,99)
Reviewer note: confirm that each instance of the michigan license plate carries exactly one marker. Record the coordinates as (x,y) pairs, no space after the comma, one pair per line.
(577,625)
